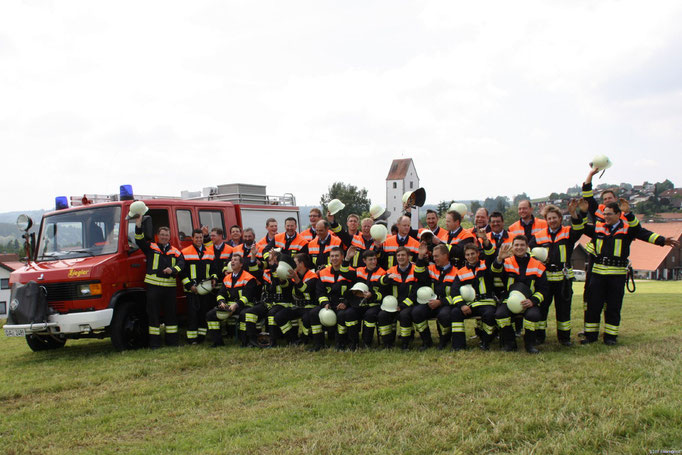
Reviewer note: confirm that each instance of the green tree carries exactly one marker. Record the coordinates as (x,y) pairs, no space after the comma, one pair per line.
(475,205)
(356,201)
(665,185)
(519,197)
(443,207)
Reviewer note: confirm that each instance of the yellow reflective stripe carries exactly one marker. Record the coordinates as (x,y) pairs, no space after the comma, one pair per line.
(601,269)
(541,325)
(482,302)
(481,286)
(193,271)
(369,324)
(562,253)
(457,327)
(155,262)
(653,237)
(617,247)
(591,327)
(489,329)
(611,329)
(250,317)
(385,329)
(351,323)
(422,326)
(192,334)
(588,193)
(504,322)
(154,330)
(529,325)
(139,236)
(164,282)
(539,296)
(563,325)
(213,325)
(405,331)
(316,329)
(600,244)
(271,320)
(171,329)
(341,329)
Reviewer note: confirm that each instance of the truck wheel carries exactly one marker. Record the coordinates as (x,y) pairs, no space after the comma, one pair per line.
(44,342)
(129,326)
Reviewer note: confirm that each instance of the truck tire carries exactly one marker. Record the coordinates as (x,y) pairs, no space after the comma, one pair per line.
(39,343)
(129,326)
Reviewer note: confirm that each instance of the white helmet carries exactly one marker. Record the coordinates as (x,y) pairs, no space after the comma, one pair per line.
(335,206)
(601,163)
(424,234)
(377,212)
(228,267)
(222,315)
(539,253)
(282,271)
(327,317)
(468,293)
(359,288)
(425,294)
(379,232)
(458,207)
(204,287)
(514,301)
(137,208)
(416,197)
(389,304)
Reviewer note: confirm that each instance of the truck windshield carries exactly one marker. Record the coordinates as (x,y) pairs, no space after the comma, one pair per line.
(79,233)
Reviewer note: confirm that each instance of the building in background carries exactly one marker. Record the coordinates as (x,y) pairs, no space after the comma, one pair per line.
(401,177)
(8,264)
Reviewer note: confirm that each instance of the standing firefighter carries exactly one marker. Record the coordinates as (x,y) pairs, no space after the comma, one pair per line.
(164,262)
(559,242)
(199,266)
(611,242)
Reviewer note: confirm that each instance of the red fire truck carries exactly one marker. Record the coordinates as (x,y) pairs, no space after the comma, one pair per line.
(91,273)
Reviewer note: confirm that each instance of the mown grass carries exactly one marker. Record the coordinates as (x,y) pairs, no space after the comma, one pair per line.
(86,398)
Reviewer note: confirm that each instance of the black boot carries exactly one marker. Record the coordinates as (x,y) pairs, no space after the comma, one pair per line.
(405,343)
(529,339)
(540,337)
(367,336)
(427,342)
(387,341)
(251,335)
(318,342)
(459,341)
(508,339)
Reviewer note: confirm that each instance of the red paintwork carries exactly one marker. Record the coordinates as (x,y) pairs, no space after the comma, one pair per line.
(119,270)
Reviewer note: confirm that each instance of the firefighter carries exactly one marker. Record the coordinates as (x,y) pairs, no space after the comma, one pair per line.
(611,242)
(363,242)
(322,244)
(560,241)
(527,225)
(235,236)
(305,292)
(499,236)
(331,293)
(268,241)
(353,224)
(222,251)
(199,266)
(520,272)
(457,237)
(164,263)
(475,273)
(290,241)
(236,294)
(401,239)
(366,303)
(402,283)
(276,303)
(595,210)
(439,276)
(244,249)
(481,221)
(314,216)
(439,234)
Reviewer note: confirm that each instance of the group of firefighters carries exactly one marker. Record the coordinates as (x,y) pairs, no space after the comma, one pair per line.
(345,284)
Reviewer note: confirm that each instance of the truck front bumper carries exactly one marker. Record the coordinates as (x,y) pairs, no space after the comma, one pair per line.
(85,322)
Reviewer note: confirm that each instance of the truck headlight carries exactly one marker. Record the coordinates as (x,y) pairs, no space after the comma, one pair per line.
(88,290)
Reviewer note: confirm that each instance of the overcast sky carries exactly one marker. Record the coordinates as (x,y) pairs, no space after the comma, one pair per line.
(488,98)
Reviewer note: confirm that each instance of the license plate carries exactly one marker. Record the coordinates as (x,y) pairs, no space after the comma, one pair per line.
(15,332)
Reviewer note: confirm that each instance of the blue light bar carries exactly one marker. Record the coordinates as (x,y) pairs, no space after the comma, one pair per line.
(61,202)
(126,193)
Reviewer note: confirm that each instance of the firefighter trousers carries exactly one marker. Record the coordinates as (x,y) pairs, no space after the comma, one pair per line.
(486,311)
(214,334)
(604,290)
(503,318)
(420,317)
(369,315)
(161,299)
(281,320)
(197,307)
(387,321)
(347,327)
(561,293)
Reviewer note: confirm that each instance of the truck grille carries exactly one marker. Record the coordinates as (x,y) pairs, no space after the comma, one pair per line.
(60,291)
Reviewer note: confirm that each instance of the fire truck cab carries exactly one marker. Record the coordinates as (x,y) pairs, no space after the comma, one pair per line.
(90,272)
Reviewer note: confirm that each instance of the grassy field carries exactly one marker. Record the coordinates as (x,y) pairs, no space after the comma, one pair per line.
(86,398)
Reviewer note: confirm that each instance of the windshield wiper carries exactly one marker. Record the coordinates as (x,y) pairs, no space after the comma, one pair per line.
(80,251)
